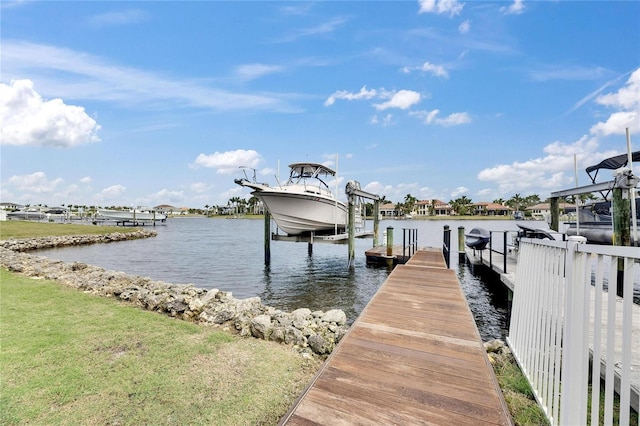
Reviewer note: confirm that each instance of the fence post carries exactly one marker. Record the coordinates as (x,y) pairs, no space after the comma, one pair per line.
(575,367)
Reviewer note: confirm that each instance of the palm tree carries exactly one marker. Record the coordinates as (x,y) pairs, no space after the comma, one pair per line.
(461,205)
(516,202)
(409,204)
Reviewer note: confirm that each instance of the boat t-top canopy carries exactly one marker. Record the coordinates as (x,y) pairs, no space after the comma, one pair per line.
(305,171)
(612,163)
(310,170)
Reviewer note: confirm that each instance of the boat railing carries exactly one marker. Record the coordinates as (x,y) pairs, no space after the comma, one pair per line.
(409,242)
(503,249)
(567,306)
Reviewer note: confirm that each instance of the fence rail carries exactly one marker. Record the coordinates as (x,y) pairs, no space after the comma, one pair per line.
(566,311)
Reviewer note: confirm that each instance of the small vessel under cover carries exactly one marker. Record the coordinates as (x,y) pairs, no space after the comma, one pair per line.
(477,239)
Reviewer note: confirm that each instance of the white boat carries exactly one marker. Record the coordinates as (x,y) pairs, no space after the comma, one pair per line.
(133,215)
(304,203)
(26,214)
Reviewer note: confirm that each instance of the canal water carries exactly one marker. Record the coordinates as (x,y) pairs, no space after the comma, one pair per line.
(228,254)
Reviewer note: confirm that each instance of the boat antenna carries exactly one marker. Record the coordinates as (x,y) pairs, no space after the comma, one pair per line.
(634,214)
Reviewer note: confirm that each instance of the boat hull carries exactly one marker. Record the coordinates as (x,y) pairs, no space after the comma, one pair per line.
(132,216)
(595,232)
(299,213)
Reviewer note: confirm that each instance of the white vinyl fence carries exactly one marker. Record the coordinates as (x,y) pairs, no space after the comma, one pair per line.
(565,309)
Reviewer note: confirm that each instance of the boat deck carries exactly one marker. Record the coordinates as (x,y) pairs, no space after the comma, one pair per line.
(414,356)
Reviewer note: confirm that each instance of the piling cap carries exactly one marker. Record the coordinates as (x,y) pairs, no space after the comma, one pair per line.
(577,239)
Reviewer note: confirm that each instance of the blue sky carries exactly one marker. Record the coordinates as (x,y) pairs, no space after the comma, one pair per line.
(146,103)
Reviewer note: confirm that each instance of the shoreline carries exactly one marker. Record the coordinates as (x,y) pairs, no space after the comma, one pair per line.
(309,332)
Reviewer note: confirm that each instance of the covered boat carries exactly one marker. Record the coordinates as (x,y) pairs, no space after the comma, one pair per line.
(595,222)
(133,215)
(477,238)
(304,203)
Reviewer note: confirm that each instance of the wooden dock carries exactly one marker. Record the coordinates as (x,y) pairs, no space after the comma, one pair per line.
(496,263)
(414,356)
(378,255)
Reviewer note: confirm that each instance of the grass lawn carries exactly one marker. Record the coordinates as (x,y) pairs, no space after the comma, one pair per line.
(28,229)
(72,358)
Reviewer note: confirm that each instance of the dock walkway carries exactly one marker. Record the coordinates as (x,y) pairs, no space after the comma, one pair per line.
(414,356)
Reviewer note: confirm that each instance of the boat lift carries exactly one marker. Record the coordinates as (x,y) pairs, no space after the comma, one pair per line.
(355,197)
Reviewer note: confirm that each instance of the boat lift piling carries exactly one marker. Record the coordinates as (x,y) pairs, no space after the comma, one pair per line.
(355,196)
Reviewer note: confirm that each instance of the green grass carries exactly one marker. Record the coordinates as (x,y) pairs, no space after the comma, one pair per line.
(27,229)
(70,358)
(517,392)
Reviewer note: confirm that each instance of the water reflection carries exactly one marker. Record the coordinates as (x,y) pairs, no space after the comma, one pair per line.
(487,299)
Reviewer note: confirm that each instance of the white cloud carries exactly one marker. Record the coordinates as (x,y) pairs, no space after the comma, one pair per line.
(428,67)
(320,29)
(111,193)
(253,71)
(123,17)
(166,196)
(552,172)
(200,187)
(465,27)
(86,179)
(402,99)
(516,8)
(27,119)
(349,96)
(454,119)
(35,183)
(229,162)
(461,190)
(452,7)
(77,75)
(627,103)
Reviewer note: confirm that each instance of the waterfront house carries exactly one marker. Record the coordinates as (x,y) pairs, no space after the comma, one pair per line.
(432,207)
(543,211)
(491,209)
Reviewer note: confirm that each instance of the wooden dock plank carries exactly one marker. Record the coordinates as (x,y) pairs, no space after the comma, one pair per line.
(414,356)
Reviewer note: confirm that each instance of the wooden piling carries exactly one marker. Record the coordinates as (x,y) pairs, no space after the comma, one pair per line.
(621,204)
(554,204)
(352,230)
(267,238)
(376,221)
(462,253)
(390,246)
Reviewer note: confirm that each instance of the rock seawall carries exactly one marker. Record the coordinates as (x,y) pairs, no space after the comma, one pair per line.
(308,331)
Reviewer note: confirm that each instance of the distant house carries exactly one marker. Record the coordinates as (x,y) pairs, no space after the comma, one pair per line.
(543,210)
(10,206)
(491,209)
(432,208)
(388,210)
(165,208)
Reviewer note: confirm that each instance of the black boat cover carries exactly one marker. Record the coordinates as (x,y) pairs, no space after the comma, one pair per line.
(612,163)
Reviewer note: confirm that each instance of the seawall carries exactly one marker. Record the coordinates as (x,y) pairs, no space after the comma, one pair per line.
(315,332)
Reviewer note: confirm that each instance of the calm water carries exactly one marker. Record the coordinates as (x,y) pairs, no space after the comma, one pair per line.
(228,254)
